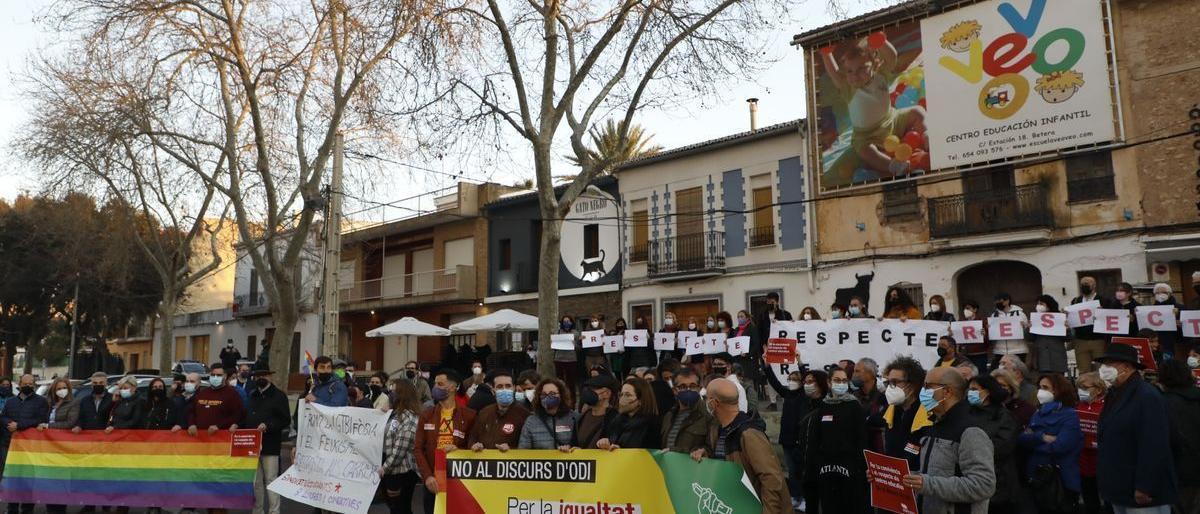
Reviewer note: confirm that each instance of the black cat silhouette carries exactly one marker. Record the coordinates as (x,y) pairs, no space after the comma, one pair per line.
(596,266)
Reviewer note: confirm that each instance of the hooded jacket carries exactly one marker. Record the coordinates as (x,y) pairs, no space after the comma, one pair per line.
(746,444)
(1183,410)
(957,464)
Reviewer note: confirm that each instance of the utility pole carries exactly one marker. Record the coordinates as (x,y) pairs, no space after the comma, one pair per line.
(333,254)
(74,323)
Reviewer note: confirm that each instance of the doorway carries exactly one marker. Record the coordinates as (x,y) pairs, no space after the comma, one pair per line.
(699,309)
(200,348)
(981,282)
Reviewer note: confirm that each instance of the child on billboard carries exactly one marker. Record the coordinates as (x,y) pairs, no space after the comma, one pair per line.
(863,73)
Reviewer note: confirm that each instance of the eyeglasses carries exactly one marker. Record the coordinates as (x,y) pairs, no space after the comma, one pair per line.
(934,385)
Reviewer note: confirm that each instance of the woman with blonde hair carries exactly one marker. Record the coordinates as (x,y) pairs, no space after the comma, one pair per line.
(1021,410)
(64,410)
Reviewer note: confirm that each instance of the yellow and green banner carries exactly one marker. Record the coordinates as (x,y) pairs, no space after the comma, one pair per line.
(591,482)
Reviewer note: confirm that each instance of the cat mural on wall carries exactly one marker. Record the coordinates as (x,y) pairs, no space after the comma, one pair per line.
(593,266)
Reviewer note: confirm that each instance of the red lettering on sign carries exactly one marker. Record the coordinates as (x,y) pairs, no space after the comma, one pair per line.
(1047,320)
(1111,323)
(1006,329)
(1086,316)
(1155,318)
(1000,56)
(969,333)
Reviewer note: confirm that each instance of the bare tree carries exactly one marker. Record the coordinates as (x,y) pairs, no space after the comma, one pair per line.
(546,61)
(246,96)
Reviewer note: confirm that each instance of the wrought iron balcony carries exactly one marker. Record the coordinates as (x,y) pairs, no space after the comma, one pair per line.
(639,252)
(990,211)
(762,236)
(252,304)
(410,289)
(688,255)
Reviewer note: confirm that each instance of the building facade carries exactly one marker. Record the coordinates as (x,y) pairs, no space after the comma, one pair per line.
(589,262)
(715,226)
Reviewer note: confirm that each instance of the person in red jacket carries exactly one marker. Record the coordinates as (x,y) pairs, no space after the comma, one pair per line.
(1092,391)
(216,407)
(443,426)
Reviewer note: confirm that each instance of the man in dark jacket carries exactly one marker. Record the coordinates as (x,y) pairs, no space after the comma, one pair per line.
(1088,344)
(95,410)
(498,426)
(774,312)
(24,411)
(1134,466)
(738,437)
(268,412)
(230,356)
(685,427)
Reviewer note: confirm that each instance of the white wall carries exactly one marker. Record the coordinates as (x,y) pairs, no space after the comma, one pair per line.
(240,329)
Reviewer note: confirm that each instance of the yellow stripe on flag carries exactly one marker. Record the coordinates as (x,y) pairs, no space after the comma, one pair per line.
(132,461)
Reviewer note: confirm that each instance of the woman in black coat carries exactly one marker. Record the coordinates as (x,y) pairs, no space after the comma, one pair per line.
(637,423)
(1183,411)
(986,397)
(129,409)
(160,410)
(796,407)
(835,477)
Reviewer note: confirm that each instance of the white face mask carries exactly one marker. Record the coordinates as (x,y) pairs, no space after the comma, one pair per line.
(691,326)
(793,385)
(1161,297)
(477,370)
(933,307)
(1193,362)
(595,324)
(710,324)
(1044,396)
(1108,374)
(894,395)
(61,393)
(1040,308)
(807,316)
(189,387)
(529,395)
(968,314)
(1084,395)
(721,324)
(669,321)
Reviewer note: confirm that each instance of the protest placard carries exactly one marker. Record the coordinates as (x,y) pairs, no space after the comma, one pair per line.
(664,341)
(888,491)
(1088,421)
(967,332)
(1145,355)
(1082,314)
(738,345)
(1006,327)
(1159,318)
(714,343)
(1111,321)
(591,339)
(780,351)
(562,342)
(338,450)
(614,344)
(637,339)
(1048,324)
(683,338)
(695,345)
(1189,321)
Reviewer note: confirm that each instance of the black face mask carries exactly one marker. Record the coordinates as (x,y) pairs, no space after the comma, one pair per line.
(27,390)
(588,397)
(376,390)
(620,328)
(410,373)
(1000,305)
(942,352)
(5,392)
(98,389)
(262,383)
(158,394)
(720,370)
(324,377)
(1085,289)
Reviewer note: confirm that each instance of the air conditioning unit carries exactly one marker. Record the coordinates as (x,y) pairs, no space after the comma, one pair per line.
(1160,272)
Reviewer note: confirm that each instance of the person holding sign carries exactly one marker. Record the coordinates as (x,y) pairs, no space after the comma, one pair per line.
(443,426)
(1049,352)
(1165,297)
(1124,297)
(1092,392)
(1015,347)
(640,356)
(957,462)
(1088,344)
(566,362)
(898,305)
(1183,408)
(836,477)
(616,361)
(976,352)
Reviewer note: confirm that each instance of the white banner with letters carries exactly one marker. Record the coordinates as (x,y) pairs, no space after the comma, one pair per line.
(338,454)
(1159,318)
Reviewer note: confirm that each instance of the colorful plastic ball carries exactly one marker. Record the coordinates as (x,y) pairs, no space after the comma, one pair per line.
(914,139)
(903,152)
(876,40)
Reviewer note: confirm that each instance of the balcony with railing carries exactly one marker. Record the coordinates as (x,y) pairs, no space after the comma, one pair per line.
(687,256)
(639,252)
(762,236)
(1021,207)
(404,290)
(252,304)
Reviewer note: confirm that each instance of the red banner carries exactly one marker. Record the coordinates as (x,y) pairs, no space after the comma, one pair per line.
(1087,424)
(246,443)
(780,351)
(1145,356)
(888,492)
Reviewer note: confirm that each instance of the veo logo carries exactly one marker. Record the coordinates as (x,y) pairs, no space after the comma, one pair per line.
(1005,58)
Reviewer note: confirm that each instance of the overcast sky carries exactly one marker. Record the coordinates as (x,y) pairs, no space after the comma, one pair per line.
(780,90)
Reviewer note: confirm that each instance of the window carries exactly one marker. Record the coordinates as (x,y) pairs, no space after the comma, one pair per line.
(900,200)
(1090,177)
(591,241)
(689,212)
(251,347)
(763,231)
(458,252)
(641,236)
(253,287)
(644,312)
(915,292)
(505,254)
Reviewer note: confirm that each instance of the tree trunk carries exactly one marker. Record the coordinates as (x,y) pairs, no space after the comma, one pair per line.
(285,312)
(548,292)
(166,334)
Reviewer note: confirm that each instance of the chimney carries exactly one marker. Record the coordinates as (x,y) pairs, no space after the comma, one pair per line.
(753,113)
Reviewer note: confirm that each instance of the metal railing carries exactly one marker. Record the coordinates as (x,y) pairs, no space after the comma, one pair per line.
(762,236)
(454,282)
(639,252)
(250,304)
(689,254)
(989,211)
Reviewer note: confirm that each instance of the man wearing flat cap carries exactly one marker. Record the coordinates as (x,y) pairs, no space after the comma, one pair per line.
(268,412)
(1134,470)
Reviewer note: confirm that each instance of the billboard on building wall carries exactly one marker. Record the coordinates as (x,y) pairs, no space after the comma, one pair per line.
(994,81)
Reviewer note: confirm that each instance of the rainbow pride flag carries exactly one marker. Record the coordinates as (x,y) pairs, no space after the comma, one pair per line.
(128,468)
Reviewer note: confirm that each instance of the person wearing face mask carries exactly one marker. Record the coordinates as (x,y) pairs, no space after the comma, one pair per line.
(476,379)
(835,476)
(721,368)
(772,313)
(443,426)
(6,391)
(526,386)
(741,438)
(269,414)
(810,314)
(498,426)
(230,356)
(594,356)
(64,410)
(686,424)
(637,421)
(1052,443)
(1156,351)
(865,386)
(327,390)
(837,311)
(377,395)
(129,409)
(1021,410)
(906,420)
(898,305)
(216,407)
(938,310)
(957,471)
(552,424)
(1049,353)
(399,468)
(743,326)
(1163,295)
(796,406)
(977,353)
(948,356)
(96,409)
(412,373)
(566,362)
(187,392)
(1092,392)
(1017,348)
(1183,411)
(1123,299)
(596,400)
(160,410)
(617,361)
(24,411)
(1088,344)
(1135,468)
(1193,358)
(986,397)
(636,357)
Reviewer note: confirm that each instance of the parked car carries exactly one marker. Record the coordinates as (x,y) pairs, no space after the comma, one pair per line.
(186,366)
